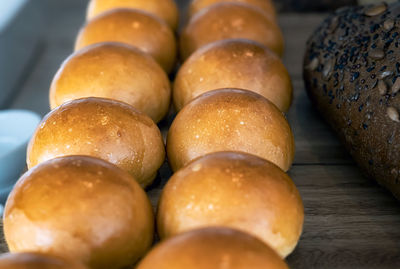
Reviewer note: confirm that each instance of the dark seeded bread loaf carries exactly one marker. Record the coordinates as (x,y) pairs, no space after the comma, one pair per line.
(351,72)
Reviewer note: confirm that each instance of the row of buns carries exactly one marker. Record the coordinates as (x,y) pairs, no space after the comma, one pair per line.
(229,203)
(230,144)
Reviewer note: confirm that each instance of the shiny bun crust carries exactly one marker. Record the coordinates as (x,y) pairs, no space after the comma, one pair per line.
(165,9)
(236,190)
(234,63)
(267,6)
(35,261)
(116,71)
(134,27)
(103,128)
(216,248)
(230,120)
(81,208)
(230,20)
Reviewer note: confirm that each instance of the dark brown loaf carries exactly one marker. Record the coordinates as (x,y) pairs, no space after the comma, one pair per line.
(351,72)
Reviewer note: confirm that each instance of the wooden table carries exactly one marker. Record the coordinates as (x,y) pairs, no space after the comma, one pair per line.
(350,222)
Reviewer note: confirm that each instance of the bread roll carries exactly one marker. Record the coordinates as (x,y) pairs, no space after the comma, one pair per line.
(164,9)
(103,128)
(81,208)
(233,63)
(35,261)
(266,6)
(217,248)
(116,71)
(351,72)
(230,120)
(134,27)
(236,190)
(230,20)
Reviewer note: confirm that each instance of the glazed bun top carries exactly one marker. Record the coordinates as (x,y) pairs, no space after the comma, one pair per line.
(116,71)
(36,261)
(266,6)
(230,120)
(102,128)
(80,207)
(230,20)
(217,248)
(132,27)
(236,190)
(234,63)
(164,9)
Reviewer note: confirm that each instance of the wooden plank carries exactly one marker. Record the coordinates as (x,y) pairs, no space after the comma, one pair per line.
(350,221)
(296,29)
(315,142)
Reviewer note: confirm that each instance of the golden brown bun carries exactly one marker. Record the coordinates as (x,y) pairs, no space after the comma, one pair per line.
(116,71)
(164,9)
(81,208)
(234,63)
(134,27)
(267,6)
(103,128)
(212,248)
(36,261)
(236,190)
(230,120)
(230,20)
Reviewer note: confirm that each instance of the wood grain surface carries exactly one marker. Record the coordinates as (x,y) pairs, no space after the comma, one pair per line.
(350,222)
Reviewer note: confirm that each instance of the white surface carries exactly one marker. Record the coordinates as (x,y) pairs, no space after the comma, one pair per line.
(8,10)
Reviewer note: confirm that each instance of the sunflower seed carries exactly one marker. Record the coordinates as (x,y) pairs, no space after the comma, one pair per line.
(385,74)
(393,114)
(388,24)
(327,71)
(396,86)
(382,87)
(313,64)
(377,54)
(375,10)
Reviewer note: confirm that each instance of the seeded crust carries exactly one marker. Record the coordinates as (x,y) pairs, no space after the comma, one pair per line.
(351,73)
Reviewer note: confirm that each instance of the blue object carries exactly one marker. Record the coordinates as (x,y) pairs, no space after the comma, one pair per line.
(8,10)
(20,30)
(16,128)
